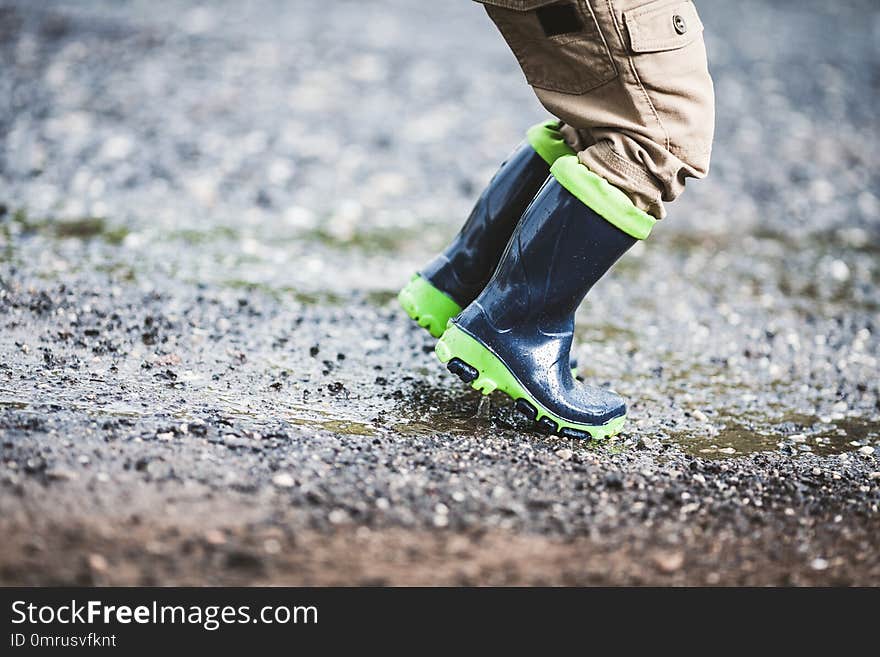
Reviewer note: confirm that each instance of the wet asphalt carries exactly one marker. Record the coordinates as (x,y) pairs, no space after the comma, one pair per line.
(206,212)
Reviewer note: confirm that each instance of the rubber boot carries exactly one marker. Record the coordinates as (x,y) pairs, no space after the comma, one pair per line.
(516,336)
(455,277)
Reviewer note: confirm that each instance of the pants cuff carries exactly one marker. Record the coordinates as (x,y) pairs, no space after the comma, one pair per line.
(643,189)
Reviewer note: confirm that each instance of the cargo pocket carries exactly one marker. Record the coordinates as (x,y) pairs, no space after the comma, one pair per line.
(558,43)
(668,53)
(665,41)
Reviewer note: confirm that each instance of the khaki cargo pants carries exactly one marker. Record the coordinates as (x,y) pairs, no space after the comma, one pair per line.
(630,81)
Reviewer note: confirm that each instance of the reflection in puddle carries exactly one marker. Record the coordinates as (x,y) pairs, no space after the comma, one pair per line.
(99,410)
(328,422)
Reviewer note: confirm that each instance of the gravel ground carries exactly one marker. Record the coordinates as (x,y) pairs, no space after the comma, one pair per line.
(206,211)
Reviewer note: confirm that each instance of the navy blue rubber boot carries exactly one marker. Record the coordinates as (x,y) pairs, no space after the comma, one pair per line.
(454,278)
(461,272)
(517,334)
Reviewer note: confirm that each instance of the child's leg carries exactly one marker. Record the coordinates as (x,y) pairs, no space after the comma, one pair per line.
(630,80)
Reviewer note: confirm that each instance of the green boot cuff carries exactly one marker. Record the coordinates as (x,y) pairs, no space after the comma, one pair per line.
(602,197)
(547,141)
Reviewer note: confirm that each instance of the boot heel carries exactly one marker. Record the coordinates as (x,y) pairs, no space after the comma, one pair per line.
(427,306)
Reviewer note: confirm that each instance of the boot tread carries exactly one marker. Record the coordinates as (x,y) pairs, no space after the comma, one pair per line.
(455,348)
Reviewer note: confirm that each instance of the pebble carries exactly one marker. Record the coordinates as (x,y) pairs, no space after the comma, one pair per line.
(98,563)
(565,454)
(284,480)
(669,562)
(61,474)
(215,537)
(337,516)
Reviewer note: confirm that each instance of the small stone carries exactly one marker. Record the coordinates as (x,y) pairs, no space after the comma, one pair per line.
(337,516)
(165,435)
(669,562)
(215,537)
(613,481)
(819,564)
(98,563)
(699,416)
(283,480)
(867,450)
(565,454)
(158,470)
(117,147)
(839,270)
(727,450)
(272,546)
(648,443)
(874,476)
(60,474)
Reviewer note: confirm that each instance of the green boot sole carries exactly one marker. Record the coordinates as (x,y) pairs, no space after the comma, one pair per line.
(427,306)
(474,363)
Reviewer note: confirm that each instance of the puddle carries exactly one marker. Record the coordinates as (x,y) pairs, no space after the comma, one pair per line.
(14,403)
(283,292)
(108,410)
(320,419)
(82,228)
(429,411)
(793,434)
(375,240)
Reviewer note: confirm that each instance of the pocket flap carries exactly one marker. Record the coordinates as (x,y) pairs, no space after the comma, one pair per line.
(662,25)
(518,5)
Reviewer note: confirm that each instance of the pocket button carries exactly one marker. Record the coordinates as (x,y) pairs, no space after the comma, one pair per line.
(679,24)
